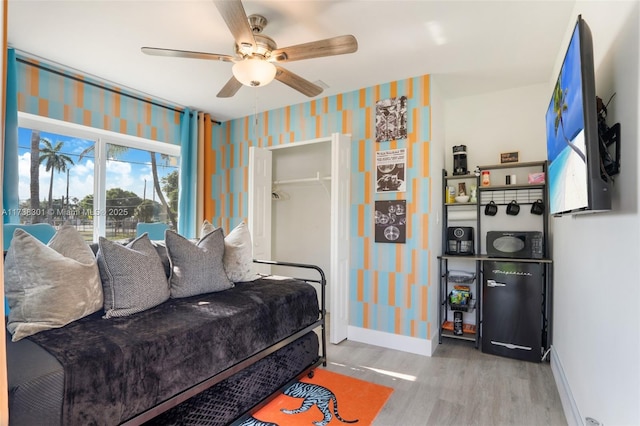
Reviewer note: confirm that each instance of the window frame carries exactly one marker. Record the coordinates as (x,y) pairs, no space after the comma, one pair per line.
(101,138)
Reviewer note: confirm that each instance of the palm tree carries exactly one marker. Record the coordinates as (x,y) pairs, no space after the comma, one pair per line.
(34,185)
(55,161)
(113,151)
(559,107)
(156,185)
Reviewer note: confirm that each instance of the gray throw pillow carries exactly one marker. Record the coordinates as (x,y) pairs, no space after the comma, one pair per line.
(133,277)
(50,286)
(196,268)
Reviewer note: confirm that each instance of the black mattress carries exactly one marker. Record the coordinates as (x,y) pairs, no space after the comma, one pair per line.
(117,368)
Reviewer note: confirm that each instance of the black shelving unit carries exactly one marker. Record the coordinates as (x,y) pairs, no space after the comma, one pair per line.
(501,194)
(467,263)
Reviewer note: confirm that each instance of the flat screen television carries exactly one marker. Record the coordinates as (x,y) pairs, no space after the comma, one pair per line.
(574,178)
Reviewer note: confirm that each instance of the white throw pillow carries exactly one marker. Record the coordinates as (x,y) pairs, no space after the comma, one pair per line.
(238,252)
(238,255)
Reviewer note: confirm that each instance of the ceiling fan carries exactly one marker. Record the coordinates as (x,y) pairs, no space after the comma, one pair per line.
(257,56)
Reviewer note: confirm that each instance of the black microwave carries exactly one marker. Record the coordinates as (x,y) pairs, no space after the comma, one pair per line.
(515,244)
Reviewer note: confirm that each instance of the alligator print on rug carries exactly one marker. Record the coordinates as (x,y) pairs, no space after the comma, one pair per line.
(325,399)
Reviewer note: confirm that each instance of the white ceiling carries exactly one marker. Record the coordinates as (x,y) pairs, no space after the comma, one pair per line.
(471,46)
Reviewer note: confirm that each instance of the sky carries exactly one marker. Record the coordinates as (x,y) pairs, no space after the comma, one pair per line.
(127,171)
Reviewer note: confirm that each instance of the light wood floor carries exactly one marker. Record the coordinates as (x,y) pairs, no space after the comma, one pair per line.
(458,386)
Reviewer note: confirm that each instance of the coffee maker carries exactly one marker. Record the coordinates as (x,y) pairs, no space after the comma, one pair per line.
(460,160)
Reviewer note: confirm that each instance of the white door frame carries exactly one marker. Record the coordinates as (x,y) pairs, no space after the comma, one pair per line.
(260,201)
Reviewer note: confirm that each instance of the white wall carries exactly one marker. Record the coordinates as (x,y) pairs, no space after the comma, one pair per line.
(596,334)
(437,149)
(505,121)
(596,327)
(301,218)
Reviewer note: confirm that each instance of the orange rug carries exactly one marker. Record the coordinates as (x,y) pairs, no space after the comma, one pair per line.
(355,401)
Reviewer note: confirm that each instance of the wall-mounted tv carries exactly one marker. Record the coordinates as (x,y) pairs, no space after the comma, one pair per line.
(574,178)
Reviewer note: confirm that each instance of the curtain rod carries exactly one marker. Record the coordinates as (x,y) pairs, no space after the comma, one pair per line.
(101,86)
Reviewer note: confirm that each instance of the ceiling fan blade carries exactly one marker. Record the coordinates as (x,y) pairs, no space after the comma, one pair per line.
(236,19)
(229,89)
(339,45)
(157,51)
(298,83)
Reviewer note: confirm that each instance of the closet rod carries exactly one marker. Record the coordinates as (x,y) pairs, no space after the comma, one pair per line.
(301,180)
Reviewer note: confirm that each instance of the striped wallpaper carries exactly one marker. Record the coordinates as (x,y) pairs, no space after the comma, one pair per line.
(49,94)
(389,282)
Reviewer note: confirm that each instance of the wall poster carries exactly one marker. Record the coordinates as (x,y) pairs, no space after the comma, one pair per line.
(391,221)
(391,119)
(391,166)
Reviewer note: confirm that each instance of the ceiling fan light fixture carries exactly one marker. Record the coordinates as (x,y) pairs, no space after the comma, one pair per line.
(254,72)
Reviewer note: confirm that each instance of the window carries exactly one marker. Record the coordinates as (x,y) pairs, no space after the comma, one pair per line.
(101,182)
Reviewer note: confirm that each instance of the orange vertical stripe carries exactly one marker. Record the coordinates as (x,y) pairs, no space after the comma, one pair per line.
(78,87)
(398,321)
(366,253)
(428,330)
(375,287)
(123,125)
(412,136)
(360,286)
(376,93)
(318,126)
(209,170)
(339,102)
(366,321)
(312,108)
(86,118)
(147,113)
(399,258)
(425,231)
(426,90)
(361,220)
(424,294)
(43,107)
(411,277)
(245,180)
(362,98)
(346,122)
(287,119)
(412,325)
(393,89)
(34,80)
(425,160)
(410,93)
(362,149)
(265,124)
(117,104)
(368,123)
(392,289)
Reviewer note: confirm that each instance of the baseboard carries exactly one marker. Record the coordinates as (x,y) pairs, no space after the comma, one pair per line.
(391,341)
(569,406)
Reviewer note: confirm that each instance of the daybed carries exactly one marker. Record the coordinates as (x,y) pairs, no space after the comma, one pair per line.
(234,348)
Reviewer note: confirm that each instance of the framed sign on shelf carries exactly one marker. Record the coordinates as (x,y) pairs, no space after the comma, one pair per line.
(509,157)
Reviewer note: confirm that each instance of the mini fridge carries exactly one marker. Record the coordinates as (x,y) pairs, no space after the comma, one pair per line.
(512,310)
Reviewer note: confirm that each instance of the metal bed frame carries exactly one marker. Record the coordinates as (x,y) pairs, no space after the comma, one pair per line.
(247,362)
